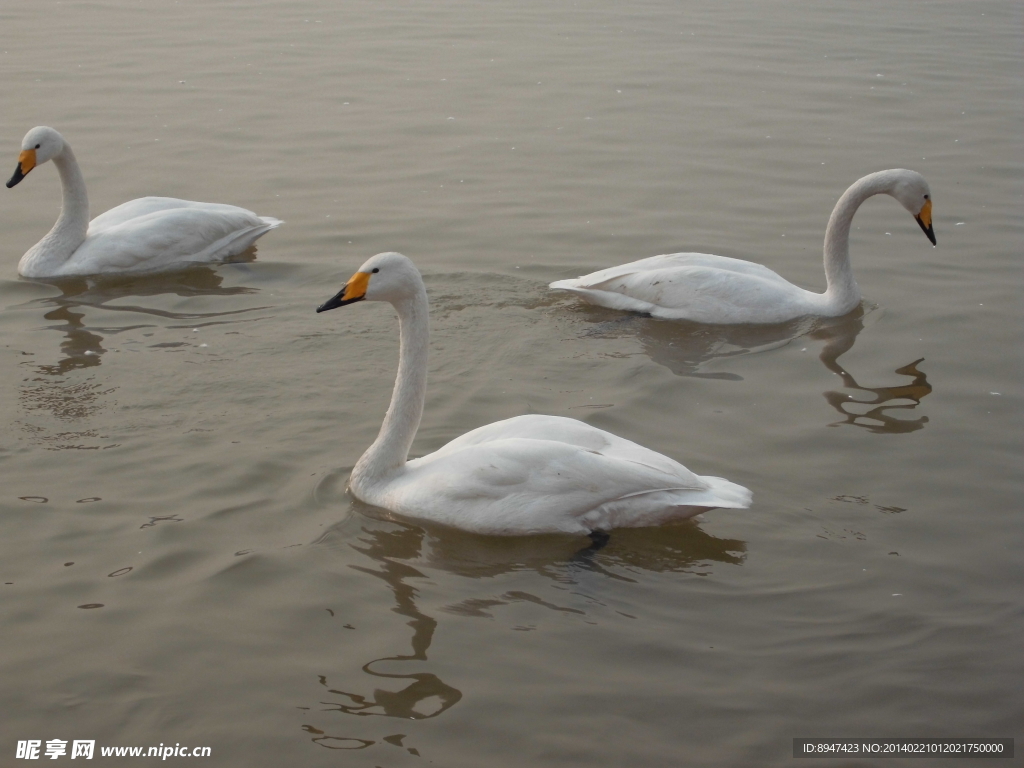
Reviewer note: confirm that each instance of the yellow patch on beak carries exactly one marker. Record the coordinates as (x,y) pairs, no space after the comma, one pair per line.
(925,216)
(356,286)
(27,160)
(354,290)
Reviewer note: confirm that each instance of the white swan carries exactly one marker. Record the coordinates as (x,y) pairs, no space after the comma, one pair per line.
(145,235)
(717,289)
(529,474)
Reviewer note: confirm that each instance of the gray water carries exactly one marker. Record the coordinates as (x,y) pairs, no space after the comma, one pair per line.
(180,561)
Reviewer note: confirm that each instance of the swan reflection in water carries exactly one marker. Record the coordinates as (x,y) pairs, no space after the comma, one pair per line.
(83,345)
(69,398)
(426,695)
(876,419)
(684,347)
(401,551)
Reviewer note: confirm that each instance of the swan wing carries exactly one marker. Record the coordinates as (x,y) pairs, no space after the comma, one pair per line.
(155,233)
(672,261)
(545,473)
(568,431)
(144,206)
(694,286)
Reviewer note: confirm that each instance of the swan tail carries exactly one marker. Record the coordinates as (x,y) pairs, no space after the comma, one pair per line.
(728,495)
(657,507)
(717,493)
(238,242)
(602,298)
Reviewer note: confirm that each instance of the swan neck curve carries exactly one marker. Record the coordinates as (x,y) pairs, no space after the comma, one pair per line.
(843,293)
(387,455)
(49,254)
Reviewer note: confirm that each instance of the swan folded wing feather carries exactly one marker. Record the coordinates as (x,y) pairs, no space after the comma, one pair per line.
(725,263)
(157,238)
(570,432)
(671,261)
(527,485)
(536,426)
(144,206)
(695,285)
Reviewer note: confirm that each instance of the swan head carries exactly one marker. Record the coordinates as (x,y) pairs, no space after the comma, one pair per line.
(387,277)
(912,191)
(39,145)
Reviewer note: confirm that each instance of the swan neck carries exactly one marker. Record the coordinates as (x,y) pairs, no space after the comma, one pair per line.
(389,451)
(49,254)
(843,292)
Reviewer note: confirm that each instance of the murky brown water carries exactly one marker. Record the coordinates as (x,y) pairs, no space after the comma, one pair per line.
(174,450)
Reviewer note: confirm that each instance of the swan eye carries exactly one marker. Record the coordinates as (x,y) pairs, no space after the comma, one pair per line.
(38,146)
(375,270)
(927,197)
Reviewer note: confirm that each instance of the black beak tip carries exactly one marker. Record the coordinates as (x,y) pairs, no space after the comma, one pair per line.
(336,301)
(928,230)
(332,303)
(18,176)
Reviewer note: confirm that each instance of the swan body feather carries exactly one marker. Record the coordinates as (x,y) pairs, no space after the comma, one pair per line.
(548,473)
(711,289)
(158,233)
(524,475)
(149,234)
(700,287)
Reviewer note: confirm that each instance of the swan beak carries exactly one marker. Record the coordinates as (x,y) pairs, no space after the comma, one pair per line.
(924,218)
(26,162)
(354,290)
